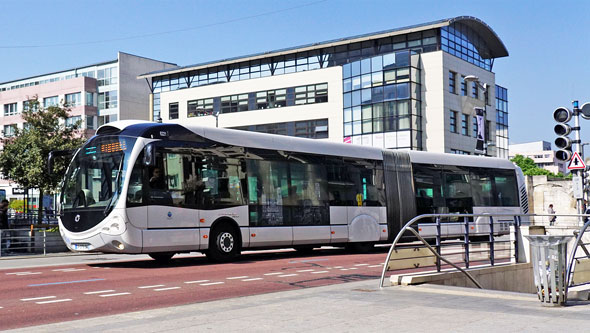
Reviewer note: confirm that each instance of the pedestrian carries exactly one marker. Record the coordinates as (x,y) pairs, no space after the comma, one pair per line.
(4,214)
(551,212)
(587,212)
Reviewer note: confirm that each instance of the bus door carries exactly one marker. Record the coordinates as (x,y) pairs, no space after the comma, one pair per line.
(172,217)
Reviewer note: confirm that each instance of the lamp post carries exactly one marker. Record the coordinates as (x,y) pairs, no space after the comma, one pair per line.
(484,87)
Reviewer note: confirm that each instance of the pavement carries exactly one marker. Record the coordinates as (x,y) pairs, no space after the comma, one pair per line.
(348,307)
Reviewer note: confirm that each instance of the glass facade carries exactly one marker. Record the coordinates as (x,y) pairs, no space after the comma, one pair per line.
(311,129)
(382,95)
(381,85)
(502,121)
(463,42)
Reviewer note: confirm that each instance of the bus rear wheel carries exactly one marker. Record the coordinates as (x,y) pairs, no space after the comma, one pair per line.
(162,257)
(224,244)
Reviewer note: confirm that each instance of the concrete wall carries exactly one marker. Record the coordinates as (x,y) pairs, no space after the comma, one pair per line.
(134,93)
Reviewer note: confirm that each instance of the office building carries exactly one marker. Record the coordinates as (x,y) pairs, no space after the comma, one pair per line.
(415,87)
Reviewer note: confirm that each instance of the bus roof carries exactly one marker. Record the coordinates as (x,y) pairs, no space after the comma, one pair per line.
(288,143)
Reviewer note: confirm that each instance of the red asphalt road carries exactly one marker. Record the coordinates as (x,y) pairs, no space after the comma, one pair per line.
(66,288)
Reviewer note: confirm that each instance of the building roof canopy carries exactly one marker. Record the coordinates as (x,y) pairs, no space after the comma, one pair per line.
(495,47)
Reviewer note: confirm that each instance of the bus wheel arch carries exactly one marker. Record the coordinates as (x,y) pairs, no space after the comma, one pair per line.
(225,241)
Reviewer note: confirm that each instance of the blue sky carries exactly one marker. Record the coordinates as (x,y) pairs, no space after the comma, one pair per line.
(548,41)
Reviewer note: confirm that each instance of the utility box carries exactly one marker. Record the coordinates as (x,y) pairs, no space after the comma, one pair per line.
(549,257)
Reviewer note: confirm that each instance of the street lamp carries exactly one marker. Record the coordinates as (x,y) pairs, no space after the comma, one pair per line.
(484,87)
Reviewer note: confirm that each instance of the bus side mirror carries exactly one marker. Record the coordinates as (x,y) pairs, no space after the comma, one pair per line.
(149,155)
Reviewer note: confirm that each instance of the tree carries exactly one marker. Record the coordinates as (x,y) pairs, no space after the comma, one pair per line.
(24,155)
(529,168)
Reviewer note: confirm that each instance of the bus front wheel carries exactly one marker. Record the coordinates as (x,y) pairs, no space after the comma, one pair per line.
(224,244)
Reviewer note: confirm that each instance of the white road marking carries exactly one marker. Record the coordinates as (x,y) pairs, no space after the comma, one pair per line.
(352,268)
(373,266)
(253,279)
(287,275)
(118,294)
(1,307)
(23,273)
(338,267)
(343,269)
(199,281)
(211,283)
(98,292)
(275,273)
(36,298)
(69,269)
(55,301)
(169,288)
(237,277)
(305,270)
(154,286)
(358,265)
(319,272)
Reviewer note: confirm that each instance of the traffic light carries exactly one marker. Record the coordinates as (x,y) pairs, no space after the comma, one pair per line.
(586,178)
(564,144)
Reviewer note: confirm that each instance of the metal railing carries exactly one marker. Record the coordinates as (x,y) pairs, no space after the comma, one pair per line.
(458,240)
(451,236)
(24,219)
(29,241)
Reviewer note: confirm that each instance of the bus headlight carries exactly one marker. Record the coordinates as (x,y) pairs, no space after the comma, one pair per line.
(115,226)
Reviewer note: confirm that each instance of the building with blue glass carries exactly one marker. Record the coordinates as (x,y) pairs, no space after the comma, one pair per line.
(415,87)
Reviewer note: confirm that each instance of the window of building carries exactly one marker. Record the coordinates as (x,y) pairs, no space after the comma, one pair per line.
(10,109)
(475,90)
(89,98)
(460,152)
(74,99)
(107,100)
(452,82)
(90,122)
(200,107)
(465,124)
(71,121)
(453,122)
(9,130)
(31,104)
(173,110)
(474,127)
(234,103)
(50,101)
(107,76)
(315,93)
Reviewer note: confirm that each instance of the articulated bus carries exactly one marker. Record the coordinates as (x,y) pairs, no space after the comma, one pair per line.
(162,189)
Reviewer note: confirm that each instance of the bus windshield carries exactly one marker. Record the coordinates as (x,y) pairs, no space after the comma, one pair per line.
(96,174)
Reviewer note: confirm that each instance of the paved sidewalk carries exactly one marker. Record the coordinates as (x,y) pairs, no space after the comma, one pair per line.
(351,307)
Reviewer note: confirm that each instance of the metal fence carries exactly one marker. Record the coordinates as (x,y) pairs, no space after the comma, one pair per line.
(16,242)
(441,241)
(16,220)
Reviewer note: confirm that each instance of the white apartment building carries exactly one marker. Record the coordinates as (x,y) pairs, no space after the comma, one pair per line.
(402,89)
(541,153)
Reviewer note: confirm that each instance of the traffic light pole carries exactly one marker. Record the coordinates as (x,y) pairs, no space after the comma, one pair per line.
(577,145)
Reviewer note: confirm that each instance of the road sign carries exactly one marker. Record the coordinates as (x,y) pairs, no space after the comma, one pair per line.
(576,162)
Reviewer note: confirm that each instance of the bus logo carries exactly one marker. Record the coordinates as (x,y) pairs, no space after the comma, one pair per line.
(169,214)
(77,218)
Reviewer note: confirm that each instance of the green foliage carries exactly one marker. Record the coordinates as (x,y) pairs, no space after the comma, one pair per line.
(24,158)
(529,168)
(17,205)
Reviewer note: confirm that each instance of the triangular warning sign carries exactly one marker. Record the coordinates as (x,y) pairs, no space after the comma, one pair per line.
(576,162)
